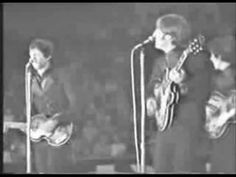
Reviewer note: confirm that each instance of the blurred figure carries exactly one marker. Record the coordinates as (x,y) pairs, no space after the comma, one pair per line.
(182,148)
(223,149)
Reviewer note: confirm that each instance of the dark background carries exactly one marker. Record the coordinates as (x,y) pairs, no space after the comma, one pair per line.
(92,49)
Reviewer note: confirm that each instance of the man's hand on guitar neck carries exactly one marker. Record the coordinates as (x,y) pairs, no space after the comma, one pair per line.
(177,76)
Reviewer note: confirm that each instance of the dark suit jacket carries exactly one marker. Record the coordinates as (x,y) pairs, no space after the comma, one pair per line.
(49,96)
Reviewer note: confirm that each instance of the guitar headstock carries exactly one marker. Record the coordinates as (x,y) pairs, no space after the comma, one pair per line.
(196,45)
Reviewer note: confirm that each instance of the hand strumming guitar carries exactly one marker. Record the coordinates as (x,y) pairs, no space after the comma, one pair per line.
(177,76)
(49,125)
(151,106)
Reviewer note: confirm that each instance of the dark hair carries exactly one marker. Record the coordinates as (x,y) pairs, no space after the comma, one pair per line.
(175,25)
(44,45)
(224,46)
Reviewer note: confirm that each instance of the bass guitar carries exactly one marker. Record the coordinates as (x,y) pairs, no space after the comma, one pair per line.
(43,128)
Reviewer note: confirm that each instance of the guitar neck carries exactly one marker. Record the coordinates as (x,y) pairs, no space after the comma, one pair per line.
(182,59)
(194,47)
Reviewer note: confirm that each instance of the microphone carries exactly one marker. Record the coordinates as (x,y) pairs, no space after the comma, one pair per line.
(29,65)
(148,40)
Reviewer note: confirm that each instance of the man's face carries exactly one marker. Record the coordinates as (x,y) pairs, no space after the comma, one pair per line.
(39,61)
(162,40)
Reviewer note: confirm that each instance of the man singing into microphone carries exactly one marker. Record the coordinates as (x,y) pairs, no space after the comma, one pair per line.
(181,148)
(48,98)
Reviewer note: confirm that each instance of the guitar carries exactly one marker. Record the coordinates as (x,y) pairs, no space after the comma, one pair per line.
(43,128)
(168,94)
(220,112)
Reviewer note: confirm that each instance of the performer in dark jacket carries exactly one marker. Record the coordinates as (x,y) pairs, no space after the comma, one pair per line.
(183,146)
(48,98)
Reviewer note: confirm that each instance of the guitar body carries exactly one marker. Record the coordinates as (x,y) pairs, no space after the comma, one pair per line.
(220,112)
(57,135)
(54,133)
(174,99)
(169,97)
(37,132)
(218,132)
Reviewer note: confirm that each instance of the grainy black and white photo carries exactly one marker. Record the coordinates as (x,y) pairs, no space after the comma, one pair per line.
(108,88)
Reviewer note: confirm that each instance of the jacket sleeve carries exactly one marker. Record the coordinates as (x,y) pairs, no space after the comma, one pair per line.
(64,103)
(57,97)
(156,75)
(199,70)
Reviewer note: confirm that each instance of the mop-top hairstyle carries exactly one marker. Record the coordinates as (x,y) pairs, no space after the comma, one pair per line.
(175,25)
(44,45)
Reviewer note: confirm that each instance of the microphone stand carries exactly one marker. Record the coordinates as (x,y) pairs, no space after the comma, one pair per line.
(28,93)
(140,162)
(142,86)
(134,110)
